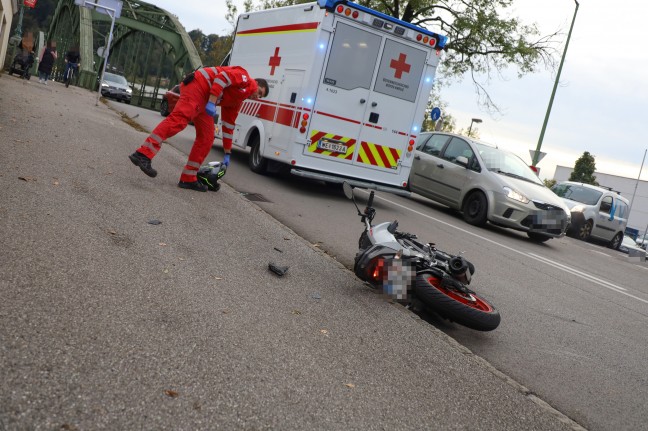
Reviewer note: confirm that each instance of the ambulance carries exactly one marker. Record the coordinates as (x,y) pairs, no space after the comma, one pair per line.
(348,91)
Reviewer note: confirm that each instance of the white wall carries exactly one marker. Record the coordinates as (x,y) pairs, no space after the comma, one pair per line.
(639,211)
(7,10)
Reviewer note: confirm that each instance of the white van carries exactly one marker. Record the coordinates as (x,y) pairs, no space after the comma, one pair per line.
(596,212)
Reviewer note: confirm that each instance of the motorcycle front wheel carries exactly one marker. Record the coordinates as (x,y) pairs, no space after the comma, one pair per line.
(465,309)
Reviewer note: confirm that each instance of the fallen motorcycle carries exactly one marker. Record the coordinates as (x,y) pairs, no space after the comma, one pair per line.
(408,270)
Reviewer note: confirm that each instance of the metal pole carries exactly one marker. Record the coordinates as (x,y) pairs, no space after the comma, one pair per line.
(553,93)
(636,184)
(107,51)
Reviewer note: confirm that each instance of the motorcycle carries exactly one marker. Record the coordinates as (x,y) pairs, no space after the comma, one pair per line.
(413,272)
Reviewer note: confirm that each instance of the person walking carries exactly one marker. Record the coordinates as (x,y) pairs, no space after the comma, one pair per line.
(200,92)
(46,60)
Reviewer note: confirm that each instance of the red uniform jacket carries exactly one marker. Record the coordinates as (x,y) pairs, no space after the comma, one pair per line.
(231,85)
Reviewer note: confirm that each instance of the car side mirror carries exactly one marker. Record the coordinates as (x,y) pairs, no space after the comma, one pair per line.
(462,160)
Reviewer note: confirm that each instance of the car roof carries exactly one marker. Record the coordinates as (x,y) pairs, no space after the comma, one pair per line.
(474,141)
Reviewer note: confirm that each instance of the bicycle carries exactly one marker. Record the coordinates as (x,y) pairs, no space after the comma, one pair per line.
(70,69)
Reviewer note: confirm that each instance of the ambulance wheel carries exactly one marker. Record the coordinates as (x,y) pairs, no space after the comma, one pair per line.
(256,161)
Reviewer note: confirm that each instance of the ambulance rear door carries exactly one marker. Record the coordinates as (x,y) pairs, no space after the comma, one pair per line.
(366,101)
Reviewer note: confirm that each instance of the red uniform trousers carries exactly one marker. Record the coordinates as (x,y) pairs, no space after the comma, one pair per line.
(190,107)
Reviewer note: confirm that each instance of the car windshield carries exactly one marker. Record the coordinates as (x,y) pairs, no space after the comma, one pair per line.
(506,163)
(115,78)
(577,193)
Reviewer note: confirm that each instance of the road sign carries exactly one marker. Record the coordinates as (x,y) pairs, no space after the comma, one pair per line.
(540,155)
(435,114)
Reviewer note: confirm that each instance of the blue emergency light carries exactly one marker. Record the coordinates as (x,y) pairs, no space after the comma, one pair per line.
(330,5)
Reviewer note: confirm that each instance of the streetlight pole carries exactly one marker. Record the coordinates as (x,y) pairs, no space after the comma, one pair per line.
(474,120)
(553,93)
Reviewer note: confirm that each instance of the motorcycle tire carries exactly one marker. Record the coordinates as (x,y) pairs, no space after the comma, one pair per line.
(474,312)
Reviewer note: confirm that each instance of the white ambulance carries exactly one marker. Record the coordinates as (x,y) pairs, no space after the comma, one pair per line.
(348,91)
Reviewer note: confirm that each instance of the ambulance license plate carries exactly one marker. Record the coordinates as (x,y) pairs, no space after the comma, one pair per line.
(332,146)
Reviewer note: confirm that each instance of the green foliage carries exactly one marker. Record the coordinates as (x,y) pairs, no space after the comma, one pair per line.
(584,170)
(549,182)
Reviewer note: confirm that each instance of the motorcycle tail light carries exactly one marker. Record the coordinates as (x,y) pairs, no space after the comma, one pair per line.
(376,269)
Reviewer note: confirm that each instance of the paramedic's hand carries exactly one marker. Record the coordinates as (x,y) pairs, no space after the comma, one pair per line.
(226,159)
(210,109)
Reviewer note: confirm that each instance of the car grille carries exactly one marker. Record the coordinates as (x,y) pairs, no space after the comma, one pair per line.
(546,206)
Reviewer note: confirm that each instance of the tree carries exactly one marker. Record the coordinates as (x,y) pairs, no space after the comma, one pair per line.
(483,39)
(584,170)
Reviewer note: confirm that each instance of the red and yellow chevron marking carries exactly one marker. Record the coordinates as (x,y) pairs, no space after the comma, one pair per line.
(317,135)
(378,155)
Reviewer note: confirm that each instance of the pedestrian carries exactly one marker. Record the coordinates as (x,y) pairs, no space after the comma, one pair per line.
(46,60)
(200,92)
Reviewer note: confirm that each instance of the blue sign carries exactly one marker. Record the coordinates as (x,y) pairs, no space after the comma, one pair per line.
(435,114)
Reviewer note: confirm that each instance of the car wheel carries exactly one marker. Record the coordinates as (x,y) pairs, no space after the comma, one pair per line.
(258,164)
(615,243)
(538,237)
(475,209)
(164,108)
(585,230)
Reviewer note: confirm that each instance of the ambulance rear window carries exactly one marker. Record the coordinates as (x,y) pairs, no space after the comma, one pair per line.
(352,50)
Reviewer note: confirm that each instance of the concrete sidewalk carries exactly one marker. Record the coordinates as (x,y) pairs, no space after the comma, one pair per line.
(110,322)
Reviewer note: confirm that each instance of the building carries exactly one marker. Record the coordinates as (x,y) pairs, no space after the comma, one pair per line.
(628,187)
(8,8)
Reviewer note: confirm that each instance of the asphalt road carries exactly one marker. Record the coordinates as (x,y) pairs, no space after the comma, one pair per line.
(574,313)
(110,320)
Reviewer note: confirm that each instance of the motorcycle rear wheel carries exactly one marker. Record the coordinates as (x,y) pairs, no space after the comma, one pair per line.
(467,310)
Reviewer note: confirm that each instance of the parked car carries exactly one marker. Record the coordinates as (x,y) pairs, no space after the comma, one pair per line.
(169,100)
(596,212)
(628,244)
(116,87)
(487,184)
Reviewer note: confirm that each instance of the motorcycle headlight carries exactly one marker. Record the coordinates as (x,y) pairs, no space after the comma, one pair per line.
(515,195)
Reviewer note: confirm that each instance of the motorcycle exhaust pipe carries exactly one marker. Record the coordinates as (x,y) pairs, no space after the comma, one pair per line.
(461,269)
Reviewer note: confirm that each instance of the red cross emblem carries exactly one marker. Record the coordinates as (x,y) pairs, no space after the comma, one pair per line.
(400,66)
(275,61)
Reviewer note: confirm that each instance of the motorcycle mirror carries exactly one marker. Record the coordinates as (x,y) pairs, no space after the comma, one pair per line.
(348,190)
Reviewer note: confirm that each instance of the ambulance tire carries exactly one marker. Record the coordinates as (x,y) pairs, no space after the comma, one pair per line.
(257,163)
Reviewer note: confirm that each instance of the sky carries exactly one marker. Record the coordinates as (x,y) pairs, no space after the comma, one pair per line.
(601,102)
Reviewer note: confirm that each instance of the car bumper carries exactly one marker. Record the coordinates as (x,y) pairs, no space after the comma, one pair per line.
(532,217)
(115,94)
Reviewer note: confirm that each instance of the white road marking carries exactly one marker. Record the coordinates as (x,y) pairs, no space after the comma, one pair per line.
(580,274)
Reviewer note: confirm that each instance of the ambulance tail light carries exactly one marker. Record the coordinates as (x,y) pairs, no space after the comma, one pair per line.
(410,147)
(304,123)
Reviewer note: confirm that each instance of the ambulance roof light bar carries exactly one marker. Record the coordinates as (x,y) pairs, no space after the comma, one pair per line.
(331,4)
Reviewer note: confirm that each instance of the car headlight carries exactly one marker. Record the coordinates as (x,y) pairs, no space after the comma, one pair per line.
(129,90)
(515,195)
(103,84)
(578,209)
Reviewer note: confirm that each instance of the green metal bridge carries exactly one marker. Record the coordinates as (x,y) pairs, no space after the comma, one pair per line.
(149,47)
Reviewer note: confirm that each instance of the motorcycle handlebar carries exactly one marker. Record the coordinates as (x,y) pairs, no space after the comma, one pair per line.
(369,202)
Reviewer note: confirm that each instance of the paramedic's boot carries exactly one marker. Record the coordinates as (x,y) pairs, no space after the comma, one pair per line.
(144,163)
(193,185)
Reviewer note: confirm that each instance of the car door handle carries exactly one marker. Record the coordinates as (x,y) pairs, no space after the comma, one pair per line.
(374,104)
(417,157)
(440,165)
(362,101)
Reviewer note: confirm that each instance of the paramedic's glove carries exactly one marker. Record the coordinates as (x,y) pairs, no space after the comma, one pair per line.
(210,109)
(226,159)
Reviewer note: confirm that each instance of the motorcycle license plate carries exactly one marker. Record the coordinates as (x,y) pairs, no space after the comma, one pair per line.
(398,279)
(324,144)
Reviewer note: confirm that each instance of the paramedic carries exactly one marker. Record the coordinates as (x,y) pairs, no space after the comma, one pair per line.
(201,91)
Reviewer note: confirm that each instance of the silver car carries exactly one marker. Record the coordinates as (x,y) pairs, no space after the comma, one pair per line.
(597,212)
(486,184)
(116,87)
